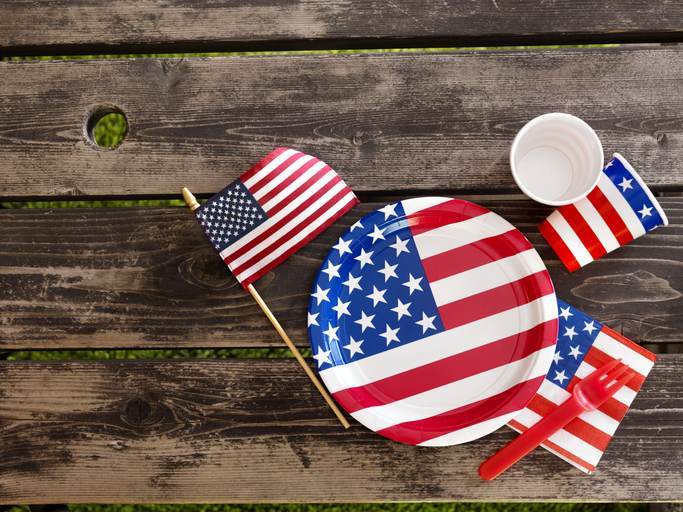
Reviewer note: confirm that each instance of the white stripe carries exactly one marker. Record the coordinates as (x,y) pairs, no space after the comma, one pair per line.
(441,345)
(573,444)
(274,164)
(298,201)
(552,392)
(583,466)
(617,350)
(597,224)
(281,233)
(282,176)
(620,204)
(416,204)
(453,395)
(452,236)
(598,419)
(300,235)
(485,277)
(289,189)
(570,238)
(470,433)
(625,395)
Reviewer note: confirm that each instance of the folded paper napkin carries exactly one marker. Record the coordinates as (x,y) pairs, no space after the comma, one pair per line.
(584,345)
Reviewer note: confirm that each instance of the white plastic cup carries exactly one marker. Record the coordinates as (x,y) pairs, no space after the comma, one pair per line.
(556,159)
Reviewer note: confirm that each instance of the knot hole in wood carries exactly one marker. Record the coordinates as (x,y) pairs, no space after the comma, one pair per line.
(142,412)
(105,127)
(205,270)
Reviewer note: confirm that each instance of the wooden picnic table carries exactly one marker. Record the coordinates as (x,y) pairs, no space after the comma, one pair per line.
(394,125)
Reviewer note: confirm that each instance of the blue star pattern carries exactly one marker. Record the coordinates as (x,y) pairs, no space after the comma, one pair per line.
(618,171)
(229,215)
(371,294)
(576,335)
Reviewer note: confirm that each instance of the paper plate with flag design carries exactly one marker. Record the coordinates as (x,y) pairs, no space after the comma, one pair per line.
(433,321)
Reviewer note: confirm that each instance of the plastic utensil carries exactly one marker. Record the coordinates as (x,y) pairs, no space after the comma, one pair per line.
(589,394)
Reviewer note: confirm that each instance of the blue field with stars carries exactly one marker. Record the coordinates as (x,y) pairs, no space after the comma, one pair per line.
(371,293)
(577,333)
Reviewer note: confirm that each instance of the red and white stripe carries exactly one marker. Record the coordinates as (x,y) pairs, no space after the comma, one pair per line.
(501,326)
(301,196)
(593,226)
(583,441)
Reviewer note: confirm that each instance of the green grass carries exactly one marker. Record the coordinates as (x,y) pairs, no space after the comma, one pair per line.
(403,507)
(305,52)
(109,132)
(219,353)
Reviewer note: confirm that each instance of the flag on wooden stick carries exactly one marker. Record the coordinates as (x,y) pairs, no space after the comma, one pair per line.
(273,210)
(266,215)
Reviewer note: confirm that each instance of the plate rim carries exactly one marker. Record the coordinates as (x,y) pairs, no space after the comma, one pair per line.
(539,360)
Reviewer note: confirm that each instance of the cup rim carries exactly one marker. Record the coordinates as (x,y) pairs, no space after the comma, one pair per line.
(644,186)
(530,124)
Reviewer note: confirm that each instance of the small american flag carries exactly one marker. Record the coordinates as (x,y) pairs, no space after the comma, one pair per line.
(410,322)
(273,210)
(583,346)
(619,209)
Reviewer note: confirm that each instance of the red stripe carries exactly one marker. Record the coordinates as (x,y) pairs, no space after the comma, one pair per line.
(583,231)
(266,179)
(597,358)
(449,212)
(563,252)
(288,181)
(555,447)
(610,215)
(262,163)
(264,270)
(475,254)
(629,343)
(273,227)
(419,431)
(496,300)
(449,369)
(274,243)
(318,176)
(578,427)
(612,407)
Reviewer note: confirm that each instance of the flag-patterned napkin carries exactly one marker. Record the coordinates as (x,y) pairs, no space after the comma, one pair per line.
(273,210)
(584,345)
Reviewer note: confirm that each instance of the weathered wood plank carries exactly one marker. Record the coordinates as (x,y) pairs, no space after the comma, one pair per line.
(257,431)
(50,27)
(146,277)
(399,122)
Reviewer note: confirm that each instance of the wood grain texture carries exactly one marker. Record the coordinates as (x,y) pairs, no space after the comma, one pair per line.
(146,277)
(256,431)
(400,122)
(50,27)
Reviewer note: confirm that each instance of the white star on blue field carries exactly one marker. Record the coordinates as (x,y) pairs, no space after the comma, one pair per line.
(229,215)
(371,294)
(576,334)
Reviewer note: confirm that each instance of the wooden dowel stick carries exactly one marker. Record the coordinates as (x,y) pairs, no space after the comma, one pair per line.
(314,378)
(192,204)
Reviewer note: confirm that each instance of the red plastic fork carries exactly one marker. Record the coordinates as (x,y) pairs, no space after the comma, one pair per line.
(589,394)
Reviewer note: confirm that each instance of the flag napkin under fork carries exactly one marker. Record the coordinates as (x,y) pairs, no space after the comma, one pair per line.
(583,345)
(266,215)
